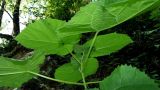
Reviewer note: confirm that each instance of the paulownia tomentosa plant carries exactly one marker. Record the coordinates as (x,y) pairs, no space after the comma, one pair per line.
(51,36)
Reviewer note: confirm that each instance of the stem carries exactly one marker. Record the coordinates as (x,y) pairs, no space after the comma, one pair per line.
(91,46)
(83,77)
(49,78)
(93,82)
(81,66)
(82,57)
(85,60)
(61,81)
(74,56)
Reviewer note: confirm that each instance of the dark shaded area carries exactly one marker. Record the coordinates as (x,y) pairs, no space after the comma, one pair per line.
(6,36)
(64,9)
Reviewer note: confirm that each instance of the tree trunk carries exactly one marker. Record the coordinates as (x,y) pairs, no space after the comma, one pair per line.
(16,26)
(2,10)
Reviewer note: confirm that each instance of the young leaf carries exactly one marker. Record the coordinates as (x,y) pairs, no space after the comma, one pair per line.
(44,35)
(13,73)
(107,44)
(69,72)
(128,78)
(105,14)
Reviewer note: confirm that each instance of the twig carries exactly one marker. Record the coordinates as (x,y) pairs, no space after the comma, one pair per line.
(8,14)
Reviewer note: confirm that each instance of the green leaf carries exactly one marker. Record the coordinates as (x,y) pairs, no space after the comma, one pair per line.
(93,89)
(13,73)
(109,2)
(105,14)
(68,72)
(107,44)
(128,78)
(44,35)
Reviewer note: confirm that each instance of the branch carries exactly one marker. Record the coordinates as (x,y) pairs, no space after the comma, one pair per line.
(16,26)
(6,36)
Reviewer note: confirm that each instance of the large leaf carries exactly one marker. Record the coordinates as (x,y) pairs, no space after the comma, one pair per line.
(13,73)
(101,15)
(107,44)
(69,72)
(44,35)
(128,78)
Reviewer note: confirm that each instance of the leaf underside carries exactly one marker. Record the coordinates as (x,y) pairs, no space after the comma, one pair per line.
(13,73)
(70,72)
(44,35)
(109,43)
(105,14)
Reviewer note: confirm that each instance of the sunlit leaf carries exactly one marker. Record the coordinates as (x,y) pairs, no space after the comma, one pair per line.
(44,35)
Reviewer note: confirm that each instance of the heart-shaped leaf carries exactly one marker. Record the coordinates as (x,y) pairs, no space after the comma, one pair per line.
(70,72)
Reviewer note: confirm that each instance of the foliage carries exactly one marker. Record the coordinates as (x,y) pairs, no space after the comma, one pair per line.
(34,9)
(53,36)
(10,5)
(15,70)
